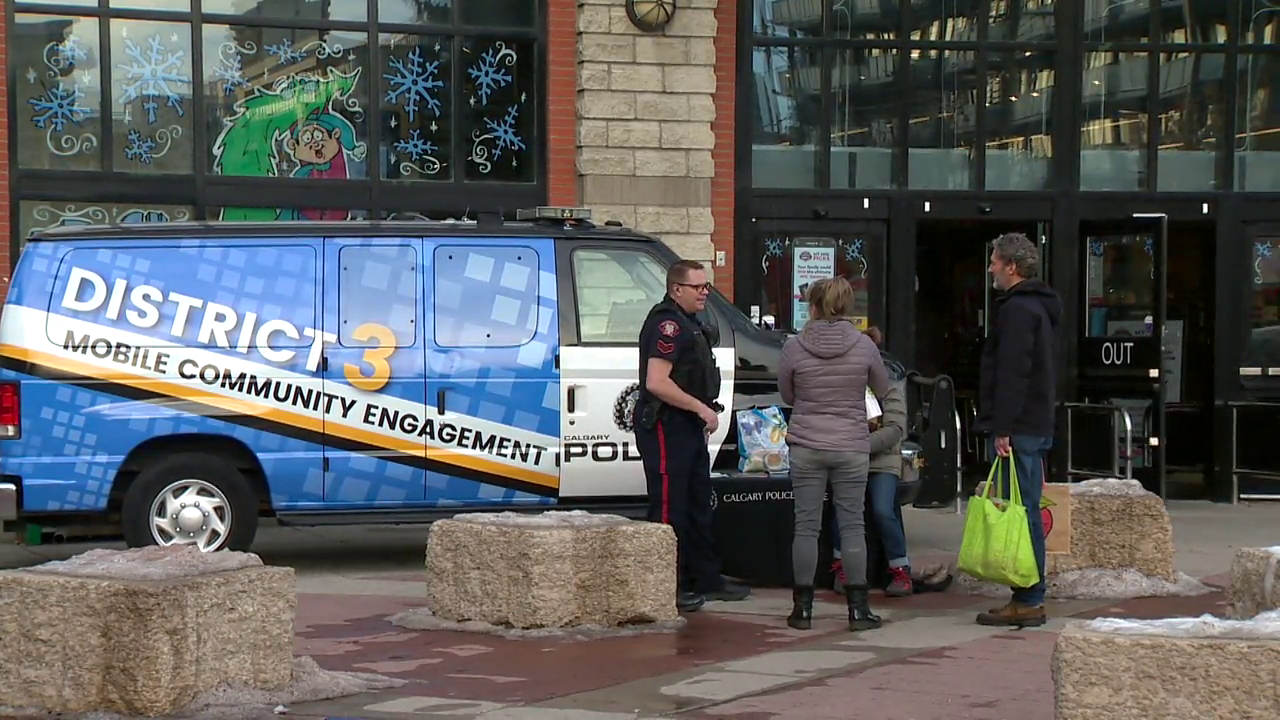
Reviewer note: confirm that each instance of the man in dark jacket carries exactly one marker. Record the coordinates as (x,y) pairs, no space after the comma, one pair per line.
(1016,396)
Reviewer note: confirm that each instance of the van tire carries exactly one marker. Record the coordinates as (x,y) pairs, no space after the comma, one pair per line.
(199,475)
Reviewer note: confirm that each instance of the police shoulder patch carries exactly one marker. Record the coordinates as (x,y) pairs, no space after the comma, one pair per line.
(670,328)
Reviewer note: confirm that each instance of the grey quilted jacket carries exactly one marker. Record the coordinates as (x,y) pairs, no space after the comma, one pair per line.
(823,375)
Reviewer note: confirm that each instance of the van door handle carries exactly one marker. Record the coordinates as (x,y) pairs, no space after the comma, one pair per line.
(440,402)
(571,402)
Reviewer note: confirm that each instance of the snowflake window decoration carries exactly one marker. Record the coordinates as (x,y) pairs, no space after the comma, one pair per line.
(487,73)
(57,106)
(285,53)
(153,73)
(1261,251)
(139,148)
(414,82)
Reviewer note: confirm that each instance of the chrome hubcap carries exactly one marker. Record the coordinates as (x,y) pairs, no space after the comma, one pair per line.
(191,512)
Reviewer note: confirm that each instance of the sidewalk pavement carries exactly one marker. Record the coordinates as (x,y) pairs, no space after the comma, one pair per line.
(732,660)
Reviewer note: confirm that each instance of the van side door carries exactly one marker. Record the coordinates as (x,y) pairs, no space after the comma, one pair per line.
(374,370)
(493,383)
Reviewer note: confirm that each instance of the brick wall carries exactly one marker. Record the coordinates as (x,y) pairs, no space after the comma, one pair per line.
(722,193)
(4,152)
(562,123)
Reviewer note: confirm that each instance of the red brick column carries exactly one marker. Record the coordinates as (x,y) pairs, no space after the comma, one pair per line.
(722,199)
(562,85)
(5,247)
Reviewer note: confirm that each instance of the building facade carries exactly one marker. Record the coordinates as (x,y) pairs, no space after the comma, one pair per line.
(778,140)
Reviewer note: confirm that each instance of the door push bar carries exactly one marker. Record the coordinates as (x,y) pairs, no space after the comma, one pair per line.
(1114,411)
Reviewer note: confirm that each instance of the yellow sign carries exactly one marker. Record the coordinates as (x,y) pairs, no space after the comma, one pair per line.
(861,322)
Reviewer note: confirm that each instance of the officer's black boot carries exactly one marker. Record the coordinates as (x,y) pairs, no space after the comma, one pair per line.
(860,615)
(801,617)
(688,601)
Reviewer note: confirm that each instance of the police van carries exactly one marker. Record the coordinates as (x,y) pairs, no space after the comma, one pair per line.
(180,381)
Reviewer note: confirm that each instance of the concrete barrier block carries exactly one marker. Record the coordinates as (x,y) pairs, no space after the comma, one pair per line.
(144,631)
(1254,588)
(1117,525)
(551,570)
(1114,669)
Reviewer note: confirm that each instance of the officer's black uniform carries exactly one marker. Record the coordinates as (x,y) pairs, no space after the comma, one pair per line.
(673,444)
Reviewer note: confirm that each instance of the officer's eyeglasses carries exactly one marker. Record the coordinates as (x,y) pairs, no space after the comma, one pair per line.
(701,288)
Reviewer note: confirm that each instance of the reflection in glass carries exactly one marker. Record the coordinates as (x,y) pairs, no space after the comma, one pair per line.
(1019,120)
(1194,21)
(415,12)
(286,103)
(1259,22)
(865,98)
(1113,139)
(1112,21)
(785,18)
(499,79)
(944,21)
(1119,285)
(496,13)
(39,215)
(942,119)
(1263,346)
(54,61)
(174,5)
(353,10)
(1021,21)
(863,20)
(780,287)
(151,96)
(1190,122)
(1257,126)
(786,107)
(417,118)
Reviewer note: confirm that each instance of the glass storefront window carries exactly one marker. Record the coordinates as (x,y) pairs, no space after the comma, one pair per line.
(1019,120)
(790,261)
(1259,22)
(39,215)
(1021,21)
(55,63)
(942,121)
(1119,286)
(854,20)
(782,18)
(1113,139)
(1262,348)
(1257,125)
(786,114)
(1117,21)
(349,10)
(1193,21)
(944,21)
(151,99)
(864,117)
(1191,122)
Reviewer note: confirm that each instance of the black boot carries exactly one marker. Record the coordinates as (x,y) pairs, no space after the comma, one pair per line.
(801,617)
(860,615)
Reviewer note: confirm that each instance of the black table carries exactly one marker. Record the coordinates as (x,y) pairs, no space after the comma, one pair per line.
(754,525)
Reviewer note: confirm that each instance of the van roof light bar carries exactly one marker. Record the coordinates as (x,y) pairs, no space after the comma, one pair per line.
(553,213)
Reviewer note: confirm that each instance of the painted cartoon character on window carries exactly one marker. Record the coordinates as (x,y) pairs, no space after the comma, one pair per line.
(293,128)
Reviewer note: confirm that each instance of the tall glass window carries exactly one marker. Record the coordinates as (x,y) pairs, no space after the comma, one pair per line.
(1019,120)
(321,100)
(942,124)
(1191,121)
(1113,138)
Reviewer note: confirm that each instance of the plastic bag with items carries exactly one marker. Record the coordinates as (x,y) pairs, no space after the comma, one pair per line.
(762,440)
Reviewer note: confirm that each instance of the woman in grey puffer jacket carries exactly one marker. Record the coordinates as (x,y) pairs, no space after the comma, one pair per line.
(823,375)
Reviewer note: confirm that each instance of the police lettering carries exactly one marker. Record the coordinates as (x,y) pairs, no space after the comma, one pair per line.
(602,451)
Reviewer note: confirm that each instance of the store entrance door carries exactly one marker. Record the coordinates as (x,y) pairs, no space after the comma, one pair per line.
(1141,395)
(795,253)
(955,299)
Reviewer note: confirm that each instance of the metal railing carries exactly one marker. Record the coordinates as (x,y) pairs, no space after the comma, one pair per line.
(1118,415)
(1236,468)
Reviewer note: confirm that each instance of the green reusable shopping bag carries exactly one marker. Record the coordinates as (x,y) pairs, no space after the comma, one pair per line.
(997,534)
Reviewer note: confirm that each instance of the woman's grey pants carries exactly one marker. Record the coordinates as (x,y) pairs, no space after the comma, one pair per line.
(845,472)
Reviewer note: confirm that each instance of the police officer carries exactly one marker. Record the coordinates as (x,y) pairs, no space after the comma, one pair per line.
(675,414)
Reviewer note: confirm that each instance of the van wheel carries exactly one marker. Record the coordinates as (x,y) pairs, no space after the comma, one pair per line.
(190,499)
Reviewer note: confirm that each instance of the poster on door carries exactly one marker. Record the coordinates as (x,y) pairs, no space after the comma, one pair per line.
(812,259)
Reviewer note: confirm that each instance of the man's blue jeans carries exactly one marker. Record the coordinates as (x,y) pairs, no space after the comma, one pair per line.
(1029,453)
(882,495)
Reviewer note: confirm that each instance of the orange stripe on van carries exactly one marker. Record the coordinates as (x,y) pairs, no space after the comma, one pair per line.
(404,446)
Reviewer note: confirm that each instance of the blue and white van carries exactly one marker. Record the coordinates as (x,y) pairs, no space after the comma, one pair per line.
(179,381)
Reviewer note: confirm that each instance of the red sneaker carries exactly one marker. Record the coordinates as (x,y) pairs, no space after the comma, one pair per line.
(901,585)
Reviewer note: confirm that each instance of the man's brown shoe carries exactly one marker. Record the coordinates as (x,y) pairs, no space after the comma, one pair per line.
(1015,614)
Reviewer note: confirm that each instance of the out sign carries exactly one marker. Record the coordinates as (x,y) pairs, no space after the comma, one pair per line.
(1117,352)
